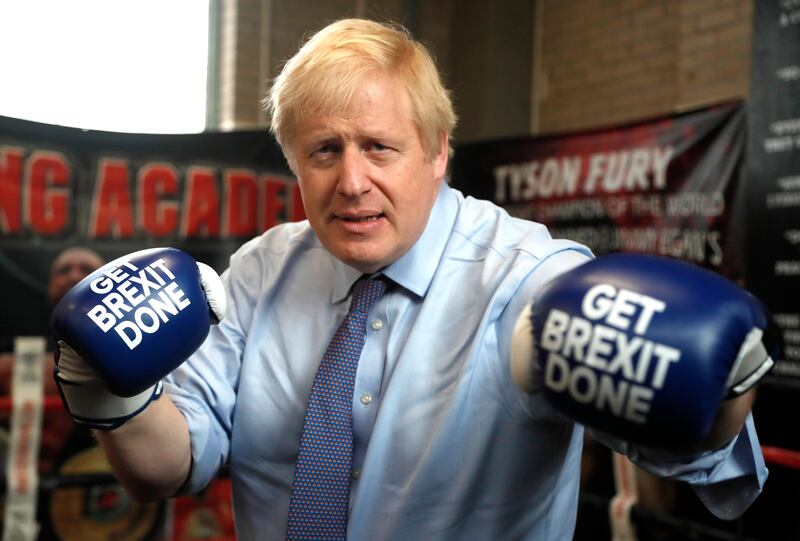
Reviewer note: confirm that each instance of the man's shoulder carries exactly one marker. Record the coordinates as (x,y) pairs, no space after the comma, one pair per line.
(281,246)
(489,226)
(279,240)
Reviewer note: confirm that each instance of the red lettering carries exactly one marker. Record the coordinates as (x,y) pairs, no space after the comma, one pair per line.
(111,203)
(10,189)
(158,218)
(47,176)
(202,204)
(274,202)
(241,198)
(298,210)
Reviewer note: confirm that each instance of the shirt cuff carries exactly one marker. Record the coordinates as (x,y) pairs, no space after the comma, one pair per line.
(733,485)
(206,450)
(727,480)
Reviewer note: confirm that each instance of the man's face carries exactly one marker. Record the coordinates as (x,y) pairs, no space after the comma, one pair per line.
(367,185)
(69,268)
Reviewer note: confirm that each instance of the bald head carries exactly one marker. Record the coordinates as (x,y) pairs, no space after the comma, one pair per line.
(70,267)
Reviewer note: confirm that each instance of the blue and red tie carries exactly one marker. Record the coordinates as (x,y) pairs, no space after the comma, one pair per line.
(319,503)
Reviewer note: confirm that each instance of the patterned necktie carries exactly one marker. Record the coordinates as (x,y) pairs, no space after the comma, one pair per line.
(320,497)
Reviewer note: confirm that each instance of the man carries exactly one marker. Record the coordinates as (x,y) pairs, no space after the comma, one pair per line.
(444,444)
(70,267)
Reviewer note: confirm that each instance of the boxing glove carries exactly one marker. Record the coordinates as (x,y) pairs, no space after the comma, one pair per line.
(642,347)
(127,325)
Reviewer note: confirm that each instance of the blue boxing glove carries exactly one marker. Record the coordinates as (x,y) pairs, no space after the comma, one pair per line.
(127,325)
(642,347)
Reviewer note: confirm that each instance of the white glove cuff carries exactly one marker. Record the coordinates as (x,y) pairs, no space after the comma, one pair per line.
(87,398)
(752,363)
(214,289)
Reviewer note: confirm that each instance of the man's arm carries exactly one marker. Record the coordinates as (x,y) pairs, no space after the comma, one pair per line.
(663,371)
(730,420)
(150,454)
(120,331)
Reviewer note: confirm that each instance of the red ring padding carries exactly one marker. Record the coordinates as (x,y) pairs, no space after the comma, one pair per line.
(781,457)
(49,403)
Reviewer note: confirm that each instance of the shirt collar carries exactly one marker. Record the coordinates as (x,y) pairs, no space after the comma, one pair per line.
(344,278)
(415,269)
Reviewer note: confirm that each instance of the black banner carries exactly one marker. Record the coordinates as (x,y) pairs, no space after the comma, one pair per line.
(117,193)
(773,172)
(773,211)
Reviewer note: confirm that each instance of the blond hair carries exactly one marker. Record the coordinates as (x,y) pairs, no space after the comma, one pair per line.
(325,74)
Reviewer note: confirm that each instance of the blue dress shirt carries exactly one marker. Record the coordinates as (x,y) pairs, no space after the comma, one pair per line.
(446,446)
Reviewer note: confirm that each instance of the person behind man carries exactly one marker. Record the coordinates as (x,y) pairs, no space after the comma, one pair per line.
(69,267)
(445,444)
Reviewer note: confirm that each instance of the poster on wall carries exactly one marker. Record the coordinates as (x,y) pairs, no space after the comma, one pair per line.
(773,205)
(773,172)
(666,186)
(116,193)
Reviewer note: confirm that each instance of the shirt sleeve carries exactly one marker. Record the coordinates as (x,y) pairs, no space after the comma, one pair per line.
(727,480)
(526,407)
(204,387)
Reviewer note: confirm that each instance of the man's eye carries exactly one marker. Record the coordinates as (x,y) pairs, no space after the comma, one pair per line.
(325,149)
(378,147)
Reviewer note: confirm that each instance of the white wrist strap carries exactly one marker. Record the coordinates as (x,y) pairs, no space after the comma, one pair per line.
(752,363)
(88,399)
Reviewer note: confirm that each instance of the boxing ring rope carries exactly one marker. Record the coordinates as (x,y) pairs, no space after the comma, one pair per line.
(781,457)
(49,403)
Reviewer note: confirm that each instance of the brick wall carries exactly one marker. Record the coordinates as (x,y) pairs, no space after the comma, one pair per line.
(258,36)
(595,62)
(241,67)
(603,62)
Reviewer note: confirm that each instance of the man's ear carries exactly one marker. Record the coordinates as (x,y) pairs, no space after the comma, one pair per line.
(290,161)
(441,157)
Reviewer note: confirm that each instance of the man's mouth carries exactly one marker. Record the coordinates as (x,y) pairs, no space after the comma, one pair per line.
(360,219)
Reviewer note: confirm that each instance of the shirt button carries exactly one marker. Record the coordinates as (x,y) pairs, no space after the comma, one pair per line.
(356,473)
(377,325)
(366,399)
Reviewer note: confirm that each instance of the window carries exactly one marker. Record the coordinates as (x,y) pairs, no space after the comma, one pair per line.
(125,65)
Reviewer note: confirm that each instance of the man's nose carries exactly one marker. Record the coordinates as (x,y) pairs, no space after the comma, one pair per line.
(76,274)
(353,173)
